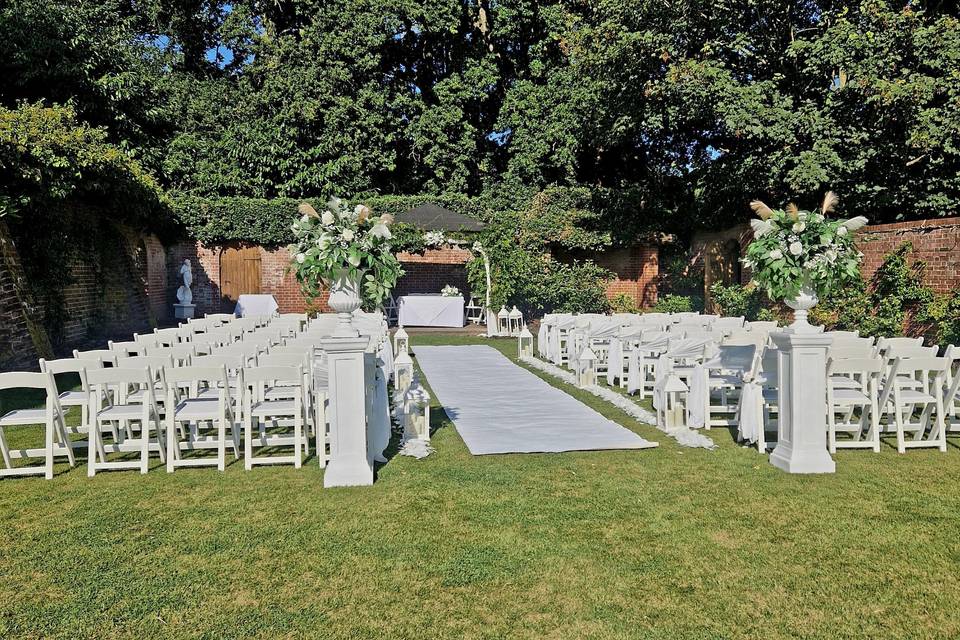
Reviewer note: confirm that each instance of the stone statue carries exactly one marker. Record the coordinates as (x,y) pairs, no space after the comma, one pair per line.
(184,295)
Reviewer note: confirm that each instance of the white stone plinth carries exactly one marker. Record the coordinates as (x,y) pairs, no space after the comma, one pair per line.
(349,464)
(184,311)
(802,422)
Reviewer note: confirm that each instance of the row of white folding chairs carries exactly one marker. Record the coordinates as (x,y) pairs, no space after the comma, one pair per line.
(141,406)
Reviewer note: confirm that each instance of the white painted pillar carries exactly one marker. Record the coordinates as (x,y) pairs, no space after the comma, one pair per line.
(802,421)
(349,464)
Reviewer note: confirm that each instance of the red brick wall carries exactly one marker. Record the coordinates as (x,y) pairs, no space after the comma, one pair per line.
(935,241)
(636,270)
(432,270)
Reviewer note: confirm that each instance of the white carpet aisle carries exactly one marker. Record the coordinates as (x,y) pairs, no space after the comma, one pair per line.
(499,407)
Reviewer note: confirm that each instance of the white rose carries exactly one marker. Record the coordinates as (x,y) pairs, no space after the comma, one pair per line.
(347,235)
(380,230)
(841,231)
(301,258)
(327,217)
(796,248)
(798,227)
(305,219)
(776,254)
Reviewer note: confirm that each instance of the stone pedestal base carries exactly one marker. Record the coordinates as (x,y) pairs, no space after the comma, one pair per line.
(802,430)
(349,464)
(184,311)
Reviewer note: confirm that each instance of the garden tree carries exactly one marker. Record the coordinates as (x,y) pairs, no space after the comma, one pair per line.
(89,54)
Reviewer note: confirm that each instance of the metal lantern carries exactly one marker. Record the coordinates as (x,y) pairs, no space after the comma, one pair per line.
(401,341)
(586,373)
(402,374)
(516,321)
(503,322)
(525,343)
(416,418)
(671,414)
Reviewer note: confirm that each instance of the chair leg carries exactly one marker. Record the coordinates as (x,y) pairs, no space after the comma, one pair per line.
(48,447)
(222,443)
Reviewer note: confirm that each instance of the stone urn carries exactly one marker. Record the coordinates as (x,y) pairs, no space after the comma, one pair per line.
(807,299)
(345,299)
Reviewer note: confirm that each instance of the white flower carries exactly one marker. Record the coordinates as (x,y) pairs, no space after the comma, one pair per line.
(380,230)
(301,258)
(801,216)
(433,238)
(776,254)
(760,227)
(855,223)
(830,255)
(347,235)
(841,231)
(327,218)
(817,217)
(796,248)
(305,219)
(798,227)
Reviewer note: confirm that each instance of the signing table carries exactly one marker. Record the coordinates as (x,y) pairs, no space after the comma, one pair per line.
(253,304)
(429,310)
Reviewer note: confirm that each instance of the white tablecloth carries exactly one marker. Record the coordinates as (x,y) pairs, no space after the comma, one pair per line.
(249,304)
(431,311)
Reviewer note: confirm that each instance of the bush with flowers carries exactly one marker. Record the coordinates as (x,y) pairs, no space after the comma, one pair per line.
(344,241)
(794,249)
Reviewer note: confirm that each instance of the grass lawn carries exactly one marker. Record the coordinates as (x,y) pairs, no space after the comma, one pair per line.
(661,543)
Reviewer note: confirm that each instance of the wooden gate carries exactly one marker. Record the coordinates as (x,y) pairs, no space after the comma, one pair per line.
(239,272)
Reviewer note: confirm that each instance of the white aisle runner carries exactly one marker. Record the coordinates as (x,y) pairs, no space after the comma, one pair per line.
(499,407)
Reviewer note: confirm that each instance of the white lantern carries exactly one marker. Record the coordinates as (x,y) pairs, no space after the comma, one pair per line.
(402,374)
(671,414)
(525,343)
(516,321)
(586,373)
(416,419)
(401,341)
(503,322)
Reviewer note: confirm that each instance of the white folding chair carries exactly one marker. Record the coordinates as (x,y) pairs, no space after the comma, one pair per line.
(854,383)
(314,394)
(167,337)
(102,356)
(131,348)
(147,339)
(181,355)
(271,418)
(915,386)
(205,420)
(109,390)
(951,398)
(56,439)
(72,397)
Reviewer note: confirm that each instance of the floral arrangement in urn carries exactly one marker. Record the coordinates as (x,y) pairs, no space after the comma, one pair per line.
(797,255)
(450,291)
(348,251)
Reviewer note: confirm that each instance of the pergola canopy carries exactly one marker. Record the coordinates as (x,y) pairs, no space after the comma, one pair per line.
(431,217)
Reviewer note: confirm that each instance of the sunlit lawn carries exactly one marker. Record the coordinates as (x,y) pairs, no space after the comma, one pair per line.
(662,543)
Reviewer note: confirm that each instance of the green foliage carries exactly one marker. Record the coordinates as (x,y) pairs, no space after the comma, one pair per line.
(740,300)
(882,307)
(943,315)
(672,303)
(524,273)
(48,157)
(624,303)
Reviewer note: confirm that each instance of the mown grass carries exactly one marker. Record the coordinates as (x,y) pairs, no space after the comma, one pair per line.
(661,543)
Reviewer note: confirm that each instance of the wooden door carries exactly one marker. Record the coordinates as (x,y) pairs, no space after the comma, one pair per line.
(239,272)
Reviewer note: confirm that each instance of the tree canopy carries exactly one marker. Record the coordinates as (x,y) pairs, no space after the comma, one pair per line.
(700,105)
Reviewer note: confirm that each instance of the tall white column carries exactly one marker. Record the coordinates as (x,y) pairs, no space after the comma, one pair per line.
(802,421)
(349,464)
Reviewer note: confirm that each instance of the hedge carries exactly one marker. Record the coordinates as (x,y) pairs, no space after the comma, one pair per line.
(267,222)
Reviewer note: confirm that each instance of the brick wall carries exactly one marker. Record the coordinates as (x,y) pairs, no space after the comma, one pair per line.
(22,339)
(636,270)
(432,270)
(935,241)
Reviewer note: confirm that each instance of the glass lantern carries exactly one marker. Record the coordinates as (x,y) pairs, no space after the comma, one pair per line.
(401,341)
(503,322)
(402,373)
(525,343)
(586,372)
(516,321)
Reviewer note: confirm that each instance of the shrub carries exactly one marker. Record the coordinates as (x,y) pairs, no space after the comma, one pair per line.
(740,300)
(672,303)
(624,303)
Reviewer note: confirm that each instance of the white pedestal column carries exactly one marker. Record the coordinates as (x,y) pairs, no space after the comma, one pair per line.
(349,465)
(802,430)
